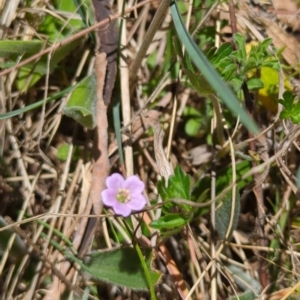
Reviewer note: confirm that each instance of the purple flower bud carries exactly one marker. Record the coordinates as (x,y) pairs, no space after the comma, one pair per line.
(124,195)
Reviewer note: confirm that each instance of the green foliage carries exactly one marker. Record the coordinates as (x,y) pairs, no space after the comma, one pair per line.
(224,215)
(208,71)
(170,221)
(255,84)
(55,29)
(244,280)
(120,266)
(63,152)
(237,65)
(196,120)
(13,48)
(223,179)
(249,295)
(291,110)
(82,103)
(193,125)
(234,66)
(178,186)
(257,57)
(58,28)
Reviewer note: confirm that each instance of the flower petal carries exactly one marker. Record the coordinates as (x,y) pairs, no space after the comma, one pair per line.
(122,209)
(134,185)
(109,197)
(114,181)
(137,202)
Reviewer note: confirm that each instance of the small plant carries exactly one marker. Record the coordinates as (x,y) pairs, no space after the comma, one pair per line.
(235,66)
(291,109)
(174,216)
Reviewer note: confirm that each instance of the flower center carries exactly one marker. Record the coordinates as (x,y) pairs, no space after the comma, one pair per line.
(123,195)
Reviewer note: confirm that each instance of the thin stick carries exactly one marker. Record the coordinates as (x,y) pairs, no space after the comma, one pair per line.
(101,166)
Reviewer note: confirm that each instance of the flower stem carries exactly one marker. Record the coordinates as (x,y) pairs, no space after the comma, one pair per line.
(147,274)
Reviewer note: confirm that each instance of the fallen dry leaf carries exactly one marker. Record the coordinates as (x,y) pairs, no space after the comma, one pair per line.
(200,155)
(287,13)
(282,40)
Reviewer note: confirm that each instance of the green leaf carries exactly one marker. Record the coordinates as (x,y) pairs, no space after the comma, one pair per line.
(251,64)
(237,56)
(239,40)
(73,8)
(229,71)
(265,44)
(273,64)
(194,123)
(12,49)
(122,267)
(236,83)
(211,53)
(223,215)
(178,186)
(192,126)
(255,84)
(82,103)
(288,100)
(295,118)
(249,295)
(224,176)
(244,280)
(211,75)
(291,111)
(198,82)
(63,152)
(222,52)
(170,221)
(190,111)
(225,62)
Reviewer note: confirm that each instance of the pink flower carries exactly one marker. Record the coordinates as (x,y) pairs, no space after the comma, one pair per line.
(124,195)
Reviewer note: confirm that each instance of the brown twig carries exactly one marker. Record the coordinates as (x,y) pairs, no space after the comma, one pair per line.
(108,43)
(106,71)
(101,166)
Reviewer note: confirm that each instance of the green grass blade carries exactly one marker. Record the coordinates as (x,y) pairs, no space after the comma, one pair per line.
(209,72)
(117,126)
(36,104)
